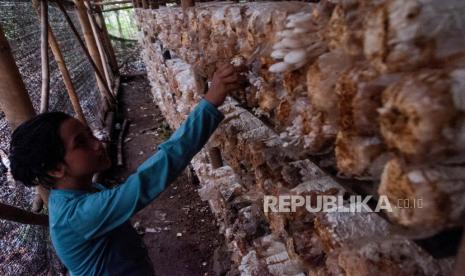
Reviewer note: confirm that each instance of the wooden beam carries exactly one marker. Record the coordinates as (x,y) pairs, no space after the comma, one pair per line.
(91,47)
(106,40)
(44,99)
(98,3)
(118,9)
(55,47)
(41,196)
(19,215)
(17,106)
(100,47)
(66,78)
(107,96)
(14,99)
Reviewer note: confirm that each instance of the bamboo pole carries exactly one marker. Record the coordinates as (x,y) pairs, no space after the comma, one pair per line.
(17,106)
(106,94)
(106,40)
(55,47)
(44,99)
(66,77)
(107,43)
(91,47)
(16,214)
(14,100)
(98,42)
(118,9)
(98,3)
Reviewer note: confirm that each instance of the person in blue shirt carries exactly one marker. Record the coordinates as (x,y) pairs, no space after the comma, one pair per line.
(89,224)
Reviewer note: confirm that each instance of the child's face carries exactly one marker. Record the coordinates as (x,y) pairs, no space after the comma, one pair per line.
(84,154)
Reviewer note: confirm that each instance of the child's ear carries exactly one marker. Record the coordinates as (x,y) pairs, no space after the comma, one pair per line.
(58,172)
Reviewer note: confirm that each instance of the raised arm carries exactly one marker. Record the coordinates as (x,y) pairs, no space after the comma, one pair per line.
(101,212)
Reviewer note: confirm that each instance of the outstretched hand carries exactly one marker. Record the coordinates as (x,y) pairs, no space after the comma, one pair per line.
(225,79)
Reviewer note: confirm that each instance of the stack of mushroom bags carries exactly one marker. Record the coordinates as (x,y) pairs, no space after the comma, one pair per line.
(387,94)
(373,88)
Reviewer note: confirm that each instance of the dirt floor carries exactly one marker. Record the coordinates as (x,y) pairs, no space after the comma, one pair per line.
(178,228)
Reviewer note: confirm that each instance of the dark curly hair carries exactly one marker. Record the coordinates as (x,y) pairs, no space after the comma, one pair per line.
(36,147)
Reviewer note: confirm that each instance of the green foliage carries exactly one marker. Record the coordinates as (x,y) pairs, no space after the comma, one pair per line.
(121,23)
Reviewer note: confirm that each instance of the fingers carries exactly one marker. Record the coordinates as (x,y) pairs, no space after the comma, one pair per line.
(221,66)
(226,71)
(231,78)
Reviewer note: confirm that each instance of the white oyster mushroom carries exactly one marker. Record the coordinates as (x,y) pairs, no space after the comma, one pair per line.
(285,33)
(295,56)
(279,67)
(279,54)
(291,43)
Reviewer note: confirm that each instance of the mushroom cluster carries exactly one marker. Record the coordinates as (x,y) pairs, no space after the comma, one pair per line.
(297,43)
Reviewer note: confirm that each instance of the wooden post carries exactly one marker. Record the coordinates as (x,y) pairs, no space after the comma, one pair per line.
(55,47)
(106,38)
(98,42)
(107,96)
(15,103)
(91,46)
(66,77)
(145,4)
(19,215)
(187,3)
(14,100)
(44,99)
(41,196)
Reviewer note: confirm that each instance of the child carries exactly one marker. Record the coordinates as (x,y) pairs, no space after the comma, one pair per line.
(89,224)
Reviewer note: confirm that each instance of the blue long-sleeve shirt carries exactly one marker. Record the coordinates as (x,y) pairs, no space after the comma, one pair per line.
(91,232)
